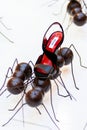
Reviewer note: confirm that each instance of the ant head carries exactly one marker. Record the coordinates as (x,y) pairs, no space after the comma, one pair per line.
(34,97)
(72,5)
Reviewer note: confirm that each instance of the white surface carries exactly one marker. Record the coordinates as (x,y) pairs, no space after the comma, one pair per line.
(29,20)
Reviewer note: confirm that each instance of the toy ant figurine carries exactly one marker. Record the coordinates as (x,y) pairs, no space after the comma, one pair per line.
(59,56)
(46,68)
(75,10)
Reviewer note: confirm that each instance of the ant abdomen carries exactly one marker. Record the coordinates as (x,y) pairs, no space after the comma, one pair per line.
(67,54)
(44,84)
(80,19)
(25,68)
(15,85)
(34,97)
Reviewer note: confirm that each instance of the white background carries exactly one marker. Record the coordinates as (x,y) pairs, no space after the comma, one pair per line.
(28,20)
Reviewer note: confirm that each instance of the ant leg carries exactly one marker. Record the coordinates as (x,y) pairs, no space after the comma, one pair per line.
(78,56)
(69,24)
(50,116)
(3,92)
(6,37)
(65,87)
(14,114)
(85,126)
(63,95)
(22,111)
(52,105)
(17,103)
(9,69)
(4,24)
(15,62)
(58,90)
(38,110)
(84,3)
(73,76)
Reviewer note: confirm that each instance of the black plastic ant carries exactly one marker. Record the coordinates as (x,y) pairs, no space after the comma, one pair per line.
(74,8)
(49,63)
(46,68)
(76,11)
